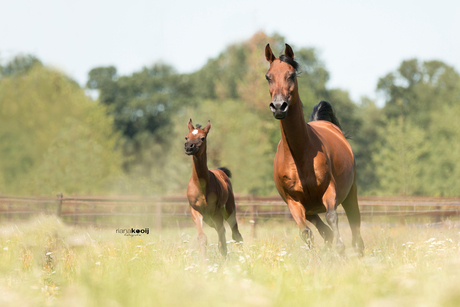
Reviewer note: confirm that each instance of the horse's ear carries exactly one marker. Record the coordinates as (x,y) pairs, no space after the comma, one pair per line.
(269,54)
(288,52)
(190,125)
(208,126)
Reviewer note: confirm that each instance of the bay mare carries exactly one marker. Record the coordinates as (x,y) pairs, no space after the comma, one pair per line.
(314,167)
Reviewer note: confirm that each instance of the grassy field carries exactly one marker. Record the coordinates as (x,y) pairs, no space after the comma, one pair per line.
(46,263)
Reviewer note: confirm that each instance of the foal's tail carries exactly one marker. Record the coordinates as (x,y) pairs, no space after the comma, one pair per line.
(324,111)
(226,171)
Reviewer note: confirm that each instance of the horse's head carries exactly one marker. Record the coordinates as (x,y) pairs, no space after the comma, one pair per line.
(282,80)
(196,138)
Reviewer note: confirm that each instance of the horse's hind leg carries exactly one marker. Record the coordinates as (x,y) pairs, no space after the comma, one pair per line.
(298,213)
(230,210)
(219,224)
(324,230)
(350,205)
(202,239)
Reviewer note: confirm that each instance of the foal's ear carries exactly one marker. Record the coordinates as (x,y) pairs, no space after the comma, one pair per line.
(269,54)
(190,125)
(288,52)
(208,126)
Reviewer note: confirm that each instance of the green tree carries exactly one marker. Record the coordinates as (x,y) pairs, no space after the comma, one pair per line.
(54,139)
(19,65)
(400,158)
(142,106)
(365,141)
(427,95)
(443,167)
(417,89)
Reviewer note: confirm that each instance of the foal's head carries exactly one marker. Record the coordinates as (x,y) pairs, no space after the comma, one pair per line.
(282,80)
(196,138)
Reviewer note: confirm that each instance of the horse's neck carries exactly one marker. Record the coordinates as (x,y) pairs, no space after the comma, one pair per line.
(200,173)
(295,135)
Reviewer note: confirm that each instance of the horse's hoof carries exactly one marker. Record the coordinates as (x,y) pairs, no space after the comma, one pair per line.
(340,248)
(358,245)
(307,236)
(238,238)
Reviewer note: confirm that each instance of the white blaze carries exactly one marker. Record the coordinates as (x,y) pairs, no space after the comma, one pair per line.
(195,132)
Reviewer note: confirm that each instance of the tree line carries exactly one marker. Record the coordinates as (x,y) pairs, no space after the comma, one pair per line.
(130,141)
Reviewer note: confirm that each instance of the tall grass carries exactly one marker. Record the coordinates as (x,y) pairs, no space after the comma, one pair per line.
(46,263)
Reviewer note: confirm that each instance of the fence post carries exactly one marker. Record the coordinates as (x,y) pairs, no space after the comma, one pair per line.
(9,213)
(437,215)
(254,221)
(158,217)
(59,207)
(402,217)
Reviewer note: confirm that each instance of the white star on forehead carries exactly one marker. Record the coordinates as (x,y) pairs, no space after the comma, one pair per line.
(195,132)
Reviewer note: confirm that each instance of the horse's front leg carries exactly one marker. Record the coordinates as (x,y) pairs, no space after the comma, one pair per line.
(298,213)
(202,239)
(324,230)
(330,202)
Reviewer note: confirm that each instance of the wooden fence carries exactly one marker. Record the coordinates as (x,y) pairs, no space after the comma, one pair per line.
(172,211)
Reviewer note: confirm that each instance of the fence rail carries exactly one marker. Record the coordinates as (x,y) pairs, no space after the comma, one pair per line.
(166,211)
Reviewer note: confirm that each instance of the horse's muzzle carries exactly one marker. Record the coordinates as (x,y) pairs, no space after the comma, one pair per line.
(279,110)
(191,148)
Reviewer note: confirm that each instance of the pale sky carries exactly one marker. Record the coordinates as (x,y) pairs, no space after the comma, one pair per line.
(359,41)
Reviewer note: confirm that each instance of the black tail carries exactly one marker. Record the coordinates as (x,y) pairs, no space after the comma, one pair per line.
(226,171)
(323,111)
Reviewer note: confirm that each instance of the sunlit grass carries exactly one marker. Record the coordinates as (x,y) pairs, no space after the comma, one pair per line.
(46,263)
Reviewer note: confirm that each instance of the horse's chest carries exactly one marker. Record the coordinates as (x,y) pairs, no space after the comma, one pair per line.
(306,185)
(198,202)
(205,204)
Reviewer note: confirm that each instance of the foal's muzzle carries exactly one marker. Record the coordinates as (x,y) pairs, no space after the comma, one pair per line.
(279,109)
(191,148)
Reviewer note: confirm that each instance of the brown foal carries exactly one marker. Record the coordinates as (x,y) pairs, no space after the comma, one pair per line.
(314,167)
(209,192)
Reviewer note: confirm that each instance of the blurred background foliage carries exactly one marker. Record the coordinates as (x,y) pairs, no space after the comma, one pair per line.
(54,138)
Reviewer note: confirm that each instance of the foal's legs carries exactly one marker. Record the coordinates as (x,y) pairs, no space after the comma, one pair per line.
(350,205)
(230,210)
(202,239)
(330,202)
(298,213)
(219,223)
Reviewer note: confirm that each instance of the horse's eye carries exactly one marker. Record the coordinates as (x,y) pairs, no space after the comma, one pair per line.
(202,139)
(267,77)
(186,138)
(292,76)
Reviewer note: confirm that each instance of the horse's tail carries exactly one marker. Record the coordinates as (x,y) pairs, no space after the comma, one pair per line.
(323,111)
(226,171)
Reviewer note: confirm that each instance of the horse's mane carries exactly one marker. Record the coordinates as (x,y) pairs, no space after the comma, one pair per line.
(290,61)
(323,111)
